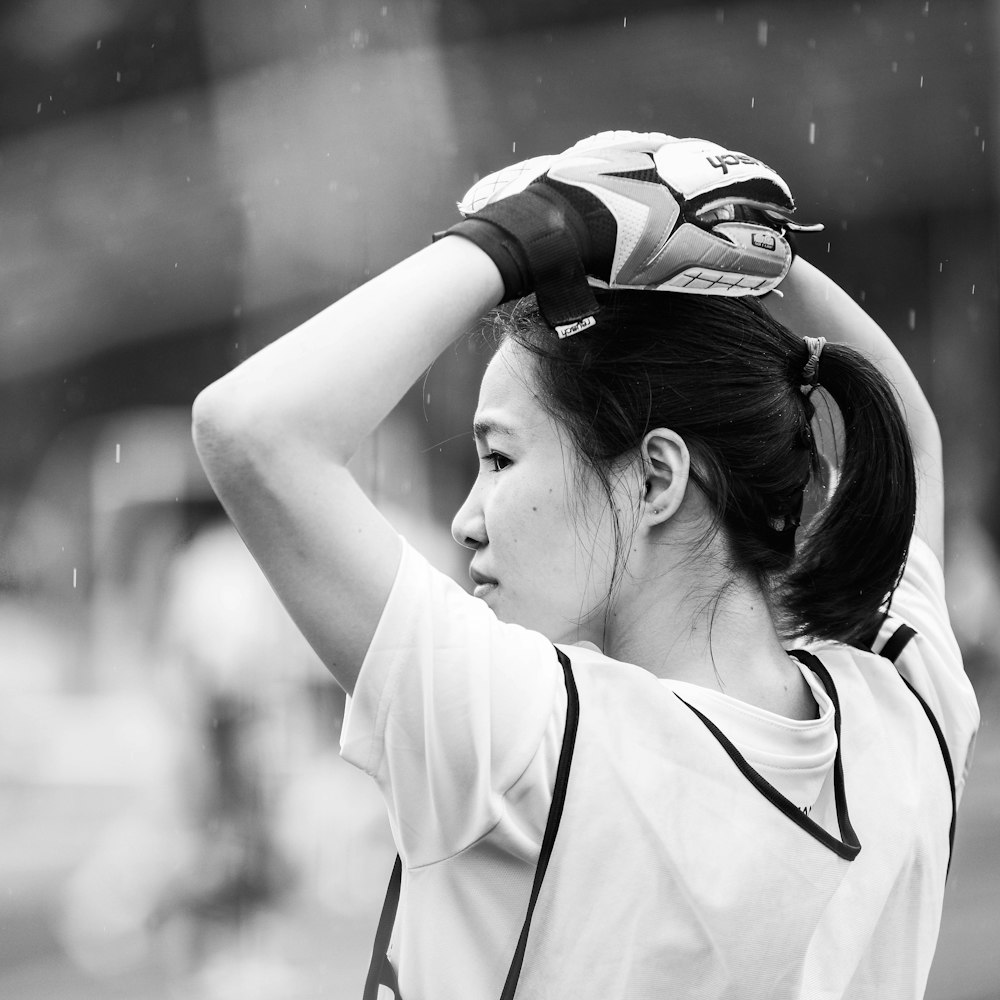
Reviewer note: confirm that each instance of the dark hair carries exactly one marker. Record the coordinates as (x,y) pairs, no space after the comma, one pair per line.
(726,376)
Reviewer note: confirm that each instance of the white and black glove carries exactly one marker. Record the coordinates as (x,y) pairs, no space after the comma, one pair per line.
(631,210)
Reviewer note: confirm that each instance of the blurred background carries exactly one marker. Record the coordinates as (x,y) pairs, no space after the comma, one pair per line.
(181,181)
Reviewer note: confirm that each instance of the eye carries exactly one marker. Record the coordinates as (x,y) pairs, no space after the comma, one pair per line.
(496,460)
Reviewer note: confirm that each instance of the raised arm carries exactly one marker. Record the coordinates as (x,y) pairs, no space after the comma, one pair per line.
(276,433)
(811,304)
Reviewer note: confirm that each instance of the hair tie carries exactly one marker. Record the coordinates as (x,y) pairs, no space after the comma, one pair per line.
(810,373)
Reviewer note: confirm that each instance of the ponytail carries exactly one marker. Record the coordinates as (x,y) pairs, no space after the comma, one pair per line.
(850,558)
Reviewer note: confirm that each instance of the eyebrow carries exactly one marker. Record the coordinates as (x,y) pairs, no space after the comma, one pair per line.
(483,428)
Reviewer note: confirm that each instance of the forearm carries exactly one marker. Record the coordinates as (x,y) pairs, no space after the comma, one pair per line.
(813,305)
(331,381)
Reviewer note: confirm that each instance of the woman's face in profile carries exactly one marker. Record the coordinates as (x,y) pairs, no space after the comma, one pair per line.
(536,518)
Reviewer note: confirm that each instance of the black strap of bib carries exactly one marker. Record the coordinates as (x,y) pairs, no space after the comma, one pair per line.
(897,642)
(895,645)
(381,972)
(551,825)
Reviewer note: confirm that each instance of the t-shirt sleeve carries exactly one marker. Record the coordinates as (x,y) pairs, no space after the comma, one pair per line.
(929,657)
(450,710)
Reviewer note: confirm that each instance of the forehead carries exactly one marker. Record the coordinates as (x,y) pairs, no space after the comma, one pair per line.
(507,396)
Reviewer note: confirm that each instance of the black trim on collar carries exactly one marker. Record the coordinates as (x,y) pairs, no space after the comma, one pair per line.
(848,846)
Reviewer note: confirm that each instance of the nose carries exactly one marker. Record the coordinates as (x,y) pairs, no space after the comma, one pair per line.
(468,526)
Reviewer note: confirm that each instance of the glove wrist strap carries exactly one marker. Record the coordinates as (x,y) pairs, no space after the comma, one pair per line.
(530,239)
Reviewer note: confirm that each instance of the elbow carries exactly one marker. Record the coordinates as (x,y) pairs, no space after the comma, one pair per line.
(205,422)
(244,444)
(220,431)
(242,432)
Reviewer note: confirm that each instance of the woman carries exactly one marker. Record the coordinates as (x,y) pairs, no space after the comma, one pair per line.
(735,821)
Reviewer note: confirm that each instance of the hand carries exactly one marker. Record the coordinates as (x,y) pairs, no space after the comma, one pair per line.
(634,210)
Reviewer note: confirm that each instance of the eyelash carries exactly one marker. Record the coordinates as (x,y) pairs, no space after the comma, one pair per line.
(495,458)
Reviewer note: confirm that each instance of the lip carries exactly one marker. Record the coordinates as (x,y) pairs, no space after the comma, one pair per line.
(478,576)
(484,584)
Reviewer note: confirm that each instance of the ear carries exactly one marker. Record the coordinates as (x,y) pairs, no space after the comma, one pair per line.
(667,466)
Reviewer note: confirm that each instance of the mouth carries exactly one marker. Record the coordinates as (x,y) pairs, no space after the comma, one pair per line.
(484,584)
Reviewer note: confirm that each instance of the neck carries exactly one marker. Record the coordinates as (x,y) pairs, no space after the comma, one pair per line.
(719,635)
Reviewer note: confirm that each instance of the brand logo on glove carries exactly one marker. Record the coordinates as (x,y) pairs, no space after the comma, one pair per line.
(728,160)
(765,241)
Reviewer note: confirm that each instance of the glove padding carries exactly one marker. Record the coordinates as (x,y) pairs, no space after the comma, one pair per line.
(631,210)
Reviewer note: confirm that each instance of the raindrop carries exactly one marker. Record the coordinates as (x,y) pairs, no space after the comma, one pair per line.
(921,81)
(762,33)
(118,76)
(895,65)
(513,146)
(38,108)
(98,42)
(752,100)
(118,454)
(74,578)
(982,147)
(973,289)
(812,133)
(720,14)
(624,22)
(911,319)
(940,266)
(927,7)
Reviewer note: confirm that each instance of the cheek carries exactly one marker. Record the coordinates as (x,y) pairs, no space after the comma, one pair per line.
(535,524)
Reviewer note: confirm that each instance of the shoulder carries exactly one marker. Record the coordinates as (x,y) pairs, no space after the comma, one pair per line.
(914,665)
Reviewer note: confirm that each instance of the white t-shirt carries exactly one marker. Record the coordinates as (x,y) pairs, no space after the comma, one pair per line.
(676,871)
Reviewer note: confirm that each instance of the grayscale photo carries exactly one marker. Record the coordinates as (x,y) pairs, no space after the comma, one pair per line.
(498,501)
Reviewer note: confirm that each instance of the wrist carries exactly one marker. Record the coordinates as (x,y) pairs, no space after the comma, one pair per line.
(538,243)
